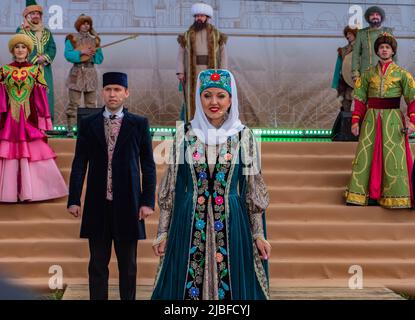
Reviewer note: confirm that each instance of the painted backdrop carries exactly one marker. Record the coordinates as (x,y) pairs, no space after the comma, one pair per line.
(282,52)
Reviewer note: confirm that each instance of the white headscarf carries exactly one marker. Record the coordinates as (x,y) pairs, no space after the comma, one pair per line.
(205,131)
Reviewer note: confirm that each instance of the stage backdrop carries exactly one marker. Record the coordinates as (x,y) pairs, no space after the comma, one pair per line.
(281,52)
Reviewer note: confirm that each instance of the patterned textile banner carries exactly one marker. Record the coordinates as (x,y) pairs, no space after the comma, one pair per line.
(282,53)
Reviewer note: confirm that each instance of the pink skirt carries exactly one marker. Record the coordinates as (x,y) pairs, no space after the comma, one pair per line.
(28,171)
(24,180)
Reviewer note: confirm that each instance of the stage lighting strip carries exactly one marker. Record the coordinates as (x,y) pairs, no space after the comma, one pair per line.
(297,133)
(59,128)
(261,132)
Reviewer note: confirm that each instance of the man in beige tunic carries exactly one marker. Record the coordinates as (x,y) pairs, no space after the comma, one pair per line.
(201,47)
(81,50)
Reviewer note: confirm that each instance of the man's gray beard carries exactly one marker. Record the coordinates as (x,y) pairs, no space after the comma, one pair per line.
(198,26)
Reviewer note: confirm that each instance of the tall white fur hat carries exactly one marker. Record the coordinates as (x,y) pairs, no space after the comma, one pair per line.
(202,8)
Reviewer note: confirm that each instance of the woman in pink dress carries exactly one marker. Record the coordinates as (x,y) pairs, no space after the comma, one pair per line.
(28,171)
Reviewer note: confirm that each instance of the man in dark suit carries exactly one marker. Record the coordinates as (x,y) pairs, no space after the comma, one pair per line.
(114,145)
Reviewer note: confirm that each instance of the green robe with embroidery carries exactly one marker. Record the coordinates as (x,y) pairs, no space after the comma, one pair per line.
(364,55)
(46,47)
(211,220)
(382,140)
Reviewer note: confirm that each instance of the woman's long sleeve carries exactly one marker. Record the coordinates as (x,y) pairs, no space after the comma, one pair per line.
(257,198)
(165,202)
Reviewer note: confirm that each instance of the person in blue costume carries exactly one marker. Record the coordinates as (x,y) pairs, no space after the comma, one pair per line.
(344,90)
(212,232)
(83,50)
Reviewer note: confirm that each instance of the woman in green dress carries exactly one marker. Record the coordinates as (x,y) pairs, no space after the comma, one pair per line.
(212,232)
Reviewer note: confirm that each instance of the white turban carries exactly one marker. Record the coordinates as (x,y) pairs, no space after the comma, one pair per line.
(202,8)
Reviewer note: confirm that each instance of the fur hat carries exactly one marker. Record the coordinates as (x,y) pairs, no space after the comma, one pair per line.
(348,29)
(20,38)
(388,39)
(202,8)
(32,6)
(81,20)
(374,9)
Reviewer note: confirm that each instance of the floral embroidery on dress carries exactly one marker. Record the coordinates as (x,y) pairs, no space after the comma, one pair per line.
(211,191)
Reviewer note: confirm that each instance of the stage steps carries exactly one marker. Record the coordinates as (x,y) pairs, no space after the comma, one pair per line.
(81,292)
(316,238)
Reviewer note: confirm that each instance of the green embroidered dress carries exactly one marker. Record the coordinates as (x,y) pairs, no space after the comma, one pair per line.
(211,213)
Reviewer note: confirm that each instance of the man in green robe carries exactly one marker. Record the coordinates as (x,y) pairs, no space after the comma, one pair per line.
(364,55)
(382,168)
(44,46)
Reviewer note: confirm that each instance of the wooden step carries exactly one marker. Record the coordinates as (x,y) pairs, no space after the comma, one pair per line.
(314,231)
(81,292)
(306,195)
(71,267)
(64,160)
(308,163)
(379,271)
(59,229)
(57,247)
(33,211)
(317,179)
(342,249)
(373,270)
(62,145)
(392,231)
(328,213)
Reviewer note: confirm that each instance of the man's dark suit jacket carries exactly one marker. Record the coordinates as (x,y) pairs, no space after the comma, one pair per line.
(133,151)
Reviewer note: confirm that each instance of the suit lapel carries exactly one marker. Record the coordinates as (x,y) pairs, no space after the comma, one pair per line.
(127,127)
(98,129)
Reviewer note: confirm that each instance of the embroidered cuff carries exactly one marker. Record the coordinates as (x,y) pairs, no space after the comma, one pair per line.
(262,238)
(259,236)
(48,59)
(355,120)
(160,239)
(164,221)
(257,224)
